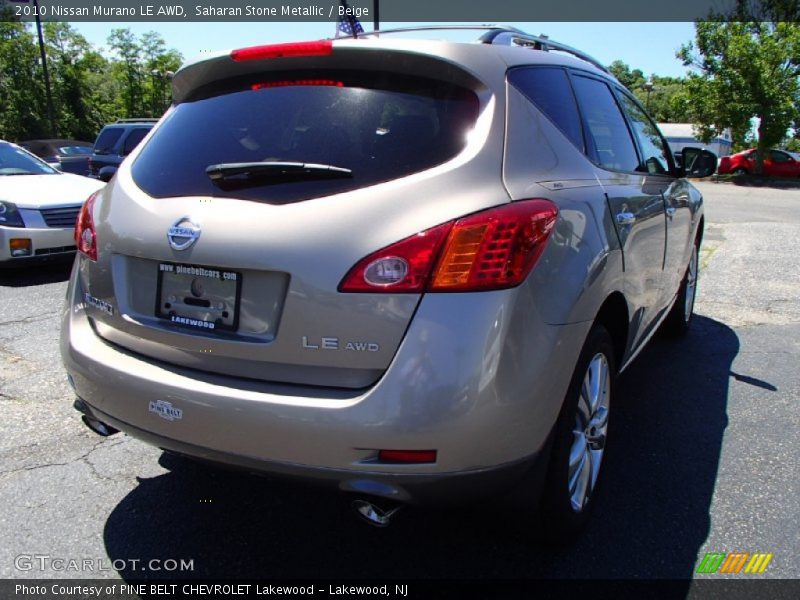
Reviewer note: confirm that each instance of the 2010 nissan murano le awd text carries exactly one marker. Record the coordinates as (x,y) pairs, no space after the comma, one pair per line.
(408,268)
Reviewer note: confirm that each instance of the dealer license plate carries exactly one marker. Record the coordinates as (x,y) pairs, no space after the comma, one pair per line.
(200,298)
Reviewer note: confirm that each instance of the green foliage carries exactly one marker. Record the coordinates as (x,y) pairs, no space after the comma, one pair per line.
(21,91)
(657,94)
(747,70)
(89,88)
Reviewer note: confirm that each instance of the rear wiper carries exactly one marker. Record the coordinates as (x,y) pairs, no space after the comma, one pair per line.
(280,171)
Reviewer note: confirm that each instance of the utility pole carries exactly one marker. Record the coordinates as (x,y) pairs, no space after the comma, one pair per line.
(48,92)
(648,86)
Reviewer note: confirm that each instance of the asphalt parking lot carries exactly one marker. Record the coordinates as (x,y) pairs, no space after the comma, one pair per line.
(703,454)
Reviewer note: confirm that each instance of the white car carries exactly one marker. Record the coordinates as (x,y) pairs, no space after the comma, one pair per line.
(38,207)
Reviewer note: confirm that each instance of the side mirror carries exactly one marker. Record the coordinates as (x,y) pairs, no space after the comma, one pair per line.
(698,162)
(106,173)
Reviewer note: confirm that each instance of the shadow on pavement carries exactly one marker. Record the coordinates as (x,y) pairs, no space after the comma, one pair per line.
(652,515)
(779,183)
(36,274)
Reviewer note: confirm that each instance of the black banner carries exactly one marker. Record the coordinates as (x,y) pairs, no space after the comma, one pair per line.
(461,11)
(68,589)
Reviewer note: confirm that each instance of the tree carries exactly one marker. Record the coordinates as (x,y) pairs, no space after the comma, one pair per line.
(128,68)
(159,64)
(630,79)
(80,99)
(657,95)
(144,68)
(21,87)
(748,64)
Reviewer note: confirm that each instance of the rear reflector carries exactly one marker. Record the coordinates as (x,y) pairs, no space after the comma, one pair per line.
(407,456)
(292,82)
(490,250)
(320,48)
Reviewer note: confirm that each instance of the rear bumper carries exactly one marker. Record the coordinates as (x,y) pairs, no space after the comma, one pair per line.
(482,385)
(440,489)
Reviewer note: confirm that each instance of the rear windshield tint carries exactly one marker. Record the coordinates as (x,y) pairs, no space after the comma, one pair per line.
(381,127)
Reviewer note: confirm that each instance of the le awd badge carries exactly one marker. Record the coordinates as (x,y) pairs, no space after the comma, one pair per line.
(332,343)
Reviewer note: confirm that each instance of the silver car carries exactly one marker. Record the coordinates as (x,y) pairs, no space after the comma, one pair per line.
(38,208)
(410,269)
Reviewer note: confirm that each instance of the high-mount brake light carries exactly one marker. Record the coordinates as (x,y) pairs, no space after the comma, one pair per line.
(407,456)
(490,250)
(319,48)
(85,235)
(293,82)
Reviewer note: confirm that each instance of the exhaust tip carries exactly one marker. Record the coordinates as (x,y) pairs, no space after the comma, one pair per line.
(98,427)
(374,515)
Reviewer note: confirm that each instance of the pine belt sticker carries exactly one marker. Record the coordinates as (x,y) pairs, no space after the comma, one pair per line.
(165,410)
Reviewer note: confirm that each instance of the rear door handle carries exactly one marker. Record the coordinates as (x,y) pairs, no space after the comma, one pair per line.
(626,218)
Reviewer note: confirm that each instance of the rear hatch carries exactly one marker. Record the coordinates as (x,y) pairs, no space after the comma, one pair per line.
(218,252)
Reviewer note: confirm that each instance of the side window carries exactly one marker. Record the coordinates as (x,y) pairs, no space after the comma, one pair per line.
(549,89)
(610,142)
(133,139)
(654,150)
(778,156)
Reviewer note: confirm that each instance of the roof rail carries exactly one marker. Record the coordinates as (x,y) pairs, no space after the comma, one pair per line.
(141,120)
(500,35)
(515,37)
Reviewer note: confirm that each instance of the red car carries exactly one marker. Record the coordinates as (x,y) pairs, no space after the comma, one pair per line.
(777,163)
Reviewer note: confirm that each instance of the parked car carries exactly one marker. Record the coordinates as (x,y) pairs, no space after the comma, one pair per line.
(114,143)
(38,207)
(777,163)
(417,280)
(70,156)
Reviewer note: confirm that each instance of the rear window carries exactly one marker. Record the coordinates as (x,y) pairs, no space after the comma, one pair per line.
(133,139)
(74,150)
(106,140)
(378,126)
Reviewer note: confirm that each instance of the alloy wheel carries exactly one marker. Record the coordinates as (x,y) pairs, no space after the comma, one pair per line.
(589,432)
(691,286)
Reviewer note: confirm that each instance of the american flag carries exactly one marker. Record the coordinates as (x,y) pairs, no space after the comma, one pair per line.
(348,24)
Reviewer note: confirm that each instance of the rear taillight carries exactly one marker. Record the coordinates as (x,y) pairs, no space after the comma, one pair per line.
(489,250)
(85,235)
(401,267)
(319,48)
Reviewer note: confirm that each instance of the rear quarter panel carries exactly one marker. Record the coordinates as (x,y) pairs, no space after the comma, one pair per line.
(582,264)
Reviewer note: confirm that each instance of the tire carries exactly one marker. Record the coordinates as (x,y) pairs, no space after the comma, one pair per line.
(740,171)
(680,315)
(580,432)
